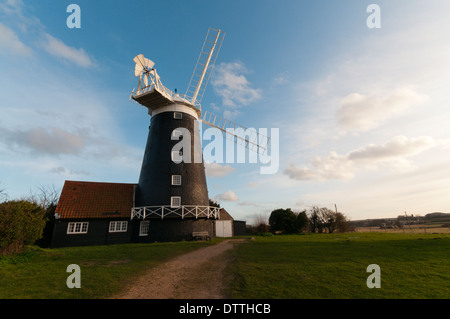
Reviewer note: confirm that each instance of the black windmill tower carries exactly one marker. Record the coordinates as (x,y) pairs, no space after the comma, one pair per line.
(171,198)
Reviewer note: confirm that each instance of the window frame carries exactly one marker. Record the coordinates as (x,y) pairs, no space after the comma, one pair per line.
(77,228)
(118,226)
(178,115)
(172,199)
(144,224)
(175,178)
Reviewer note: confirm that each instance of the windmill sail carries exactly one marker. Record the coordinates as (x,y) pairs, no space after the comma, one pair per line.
(204,66)
(248,138)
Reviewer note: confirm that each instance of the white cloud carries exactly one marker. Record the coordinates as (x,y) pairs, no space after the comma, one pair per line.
(59,170)
(232,86)
(217,170)
(228,196)
(333,166)
(41,141)
(391,154)
(11,6)
(359,112)
(59,49)
(11,43)
(398,146)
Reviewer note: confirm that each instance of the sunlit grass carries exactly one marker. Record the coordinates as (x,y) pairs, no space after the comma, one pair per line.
(104,269)
(335,266)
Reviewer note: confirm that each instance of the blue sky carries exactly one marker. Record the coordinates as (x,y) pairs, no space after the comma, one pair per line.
(362,113)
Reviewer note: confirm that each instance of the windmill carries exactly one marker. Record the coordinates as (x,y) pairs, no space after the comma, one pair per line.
(171,197)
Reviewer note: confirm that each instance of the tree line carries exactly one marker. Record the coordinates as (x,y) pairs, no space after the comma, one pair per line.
(313,220)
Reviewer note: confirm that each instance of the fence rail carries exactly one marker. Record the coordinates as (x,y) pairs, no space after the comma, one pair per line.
(181,211)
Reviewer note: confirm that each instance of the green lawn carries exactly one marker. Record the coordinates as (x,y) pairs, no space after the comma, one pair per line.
(42,273)
(289,267)
(335,266)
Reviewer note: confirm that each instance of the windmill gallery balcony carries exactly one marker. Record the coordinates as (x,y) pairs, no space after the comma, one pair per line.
(184,211)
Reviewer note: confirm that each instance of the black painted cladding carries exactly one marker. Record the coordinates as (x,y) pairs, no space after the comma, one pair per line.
(97,233)
(155,181)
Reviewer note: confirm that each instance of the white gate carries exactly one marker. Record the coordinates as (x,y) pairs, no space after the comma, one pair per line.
(224,228)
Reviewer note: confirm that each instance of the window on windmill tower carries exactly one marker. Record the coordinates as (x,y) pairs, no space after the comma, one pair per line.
(144,227)
(175,201)
(177,115)
(176,179)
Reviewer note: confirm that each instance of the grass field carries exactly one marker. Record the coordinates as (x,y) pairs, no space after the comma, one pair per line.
(273,267)
(335,266)
(42,273)
(415,229)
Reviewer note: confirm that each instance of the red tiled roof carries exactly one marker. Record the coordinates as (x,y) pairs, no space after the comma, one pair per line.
(95,200)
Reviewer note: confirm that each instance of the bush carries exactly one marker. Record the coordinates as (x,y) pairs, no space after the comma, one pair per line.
(21,223)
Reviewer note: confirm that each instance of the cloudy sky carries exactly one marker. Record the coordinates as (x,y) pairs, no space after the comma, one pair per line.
(362,114)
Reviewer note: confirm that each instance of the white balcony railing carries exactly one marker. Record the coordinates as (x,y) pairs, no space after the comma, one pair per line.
(185,211)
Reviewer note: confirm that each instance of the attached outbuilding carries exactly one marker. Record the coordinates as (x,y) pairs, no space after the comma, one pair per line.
(96,213)
(227,226)
(92,213)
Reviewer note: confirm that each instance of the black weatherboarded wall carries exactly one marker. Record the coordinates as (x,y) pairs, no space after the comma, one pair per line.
(97,233)
(154,187)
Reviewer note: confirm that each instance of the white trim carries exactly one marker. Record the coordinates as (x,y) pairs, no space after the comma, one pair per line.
(176,108)
(146,225)
(178,115)
(77,227)
(176,180)
(118,226)
(182,211)
(173,201)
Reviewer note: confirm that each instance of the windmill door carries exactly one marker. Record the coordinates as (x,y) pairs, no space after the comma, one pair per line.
(224,228)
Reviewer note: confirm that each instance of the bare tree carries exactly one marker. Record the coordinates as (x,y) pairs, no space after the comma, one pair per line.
(261,224)
(329,219)
(45,196)
(315,220)
(325,219)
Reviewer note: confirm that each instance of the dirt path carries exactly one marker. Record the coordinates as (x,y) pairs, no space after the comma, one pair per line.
(196,275)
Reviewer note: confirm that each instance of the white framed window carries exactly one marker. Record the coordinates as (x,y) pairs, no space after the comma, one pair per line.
(144,227)
(77,228)
(177,115)
(118,226)
(176,180)
(175,201)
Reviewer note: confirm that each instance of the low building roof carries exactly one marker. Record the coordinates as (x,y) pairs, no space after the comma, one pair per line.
(95,200)
(224,215)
